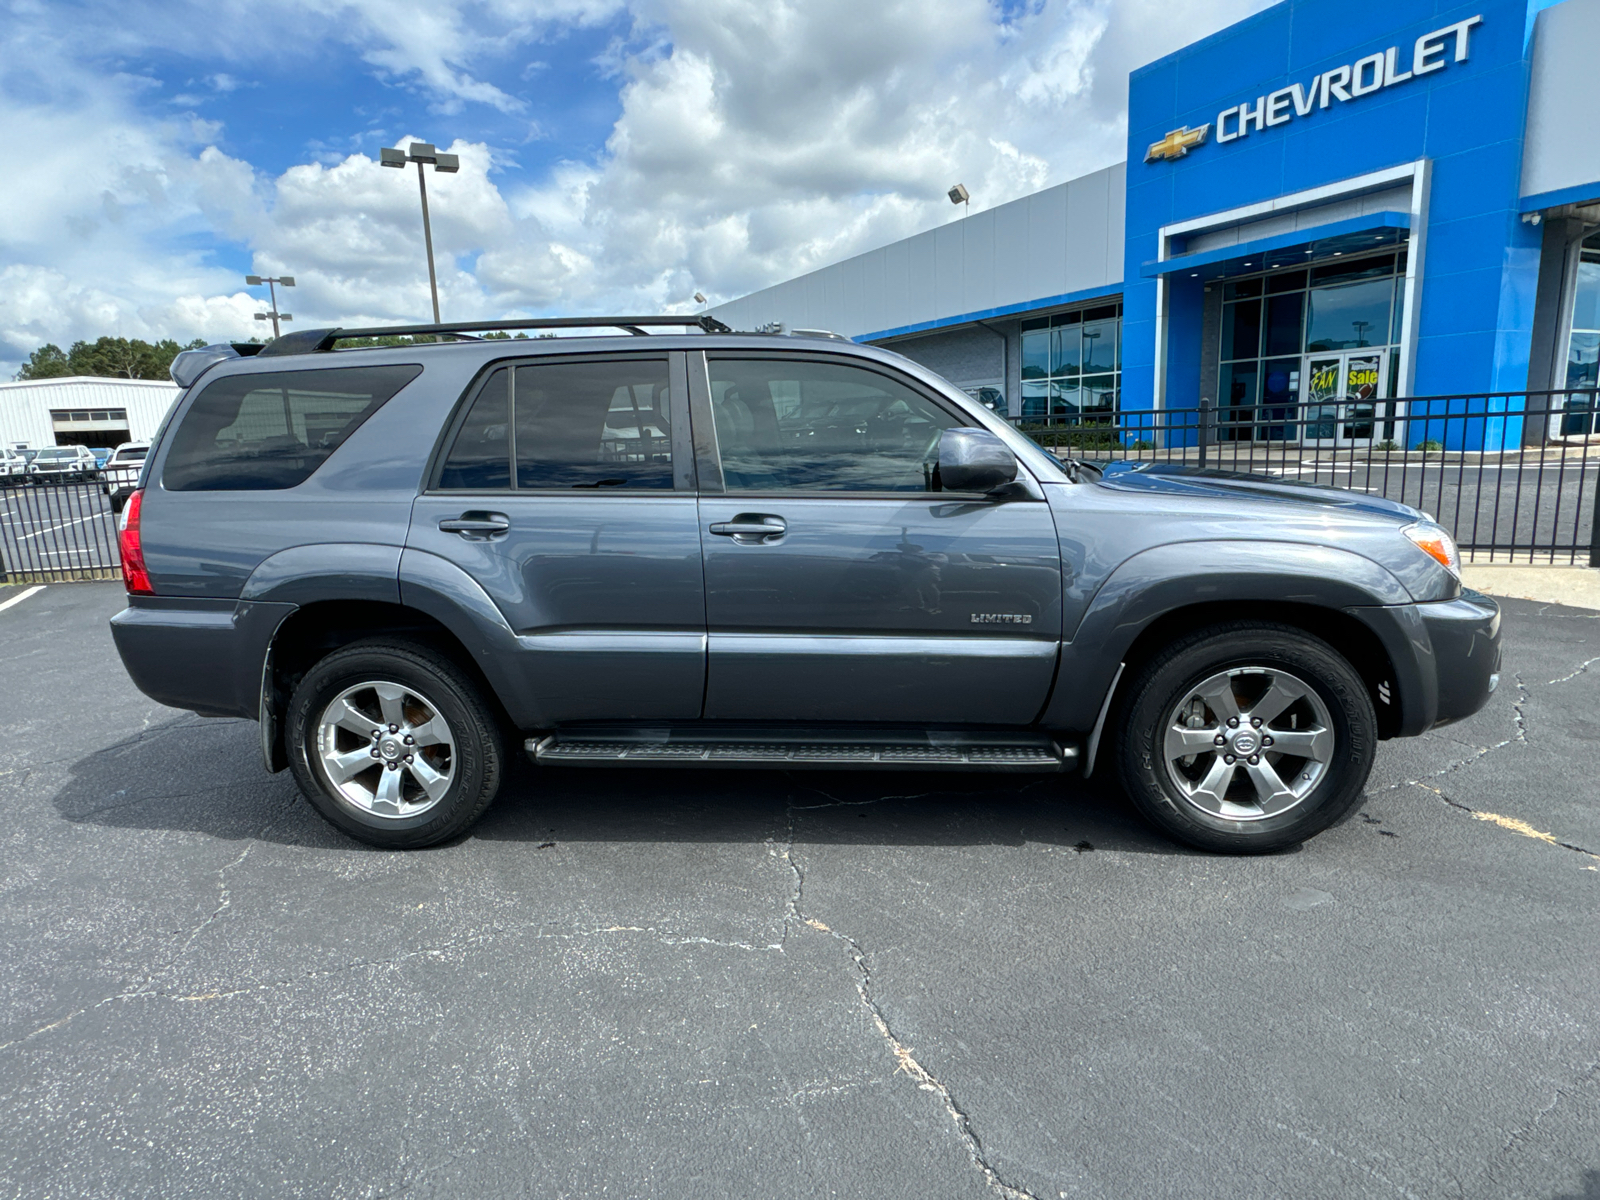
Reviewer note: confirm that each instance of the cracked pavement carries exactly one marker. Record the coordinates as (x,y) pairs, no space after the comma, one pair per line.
(631,983)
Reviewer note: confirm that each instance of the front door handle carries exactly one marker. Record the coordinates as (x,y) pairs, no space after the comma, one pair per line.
(752,529)
(476,526)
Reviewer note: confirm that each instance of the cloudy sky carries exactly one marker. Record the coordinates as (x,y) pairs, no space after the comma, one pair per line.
(616,154)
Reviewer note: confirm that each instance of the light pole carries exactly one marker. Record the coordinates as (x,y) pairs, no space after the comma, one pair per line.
(421,153)
(960,195)
(274,316)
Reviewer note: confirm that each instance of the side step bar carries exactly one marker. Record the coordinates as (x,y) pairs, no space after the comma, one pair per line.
(909,755)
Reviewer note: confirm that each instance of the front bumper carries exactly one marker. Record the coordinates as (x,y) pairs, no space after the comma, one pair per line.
(1465,636)
(1444,655)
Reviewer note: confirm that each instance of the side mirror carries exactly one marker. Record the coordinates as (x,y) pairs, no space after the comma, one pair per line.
(974,460)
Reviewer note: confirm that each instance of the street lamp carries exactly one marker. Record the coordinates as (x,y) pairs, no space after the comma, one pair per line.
(274,316)
(960,195)
(421,153)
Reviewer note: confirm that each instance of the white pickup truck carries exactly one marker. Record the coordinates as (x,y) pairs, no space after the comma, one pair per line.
(121,472)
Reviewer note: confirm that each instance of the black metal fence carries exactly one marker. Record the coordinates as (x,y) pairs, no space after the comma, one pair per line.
(57,532)
(1515,477)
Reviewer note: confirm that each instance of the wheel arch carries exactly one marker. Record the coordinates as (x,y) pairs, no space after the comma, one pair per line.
(1343,598)
(1353,640)
(314,630)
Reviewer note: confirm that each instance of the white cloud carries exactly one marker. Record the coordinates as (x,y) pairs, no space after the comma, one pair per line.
(756,140)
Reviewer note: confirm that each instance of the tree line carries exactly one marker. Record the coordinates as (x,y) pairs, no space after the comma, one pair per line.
(131,358)
(107,358)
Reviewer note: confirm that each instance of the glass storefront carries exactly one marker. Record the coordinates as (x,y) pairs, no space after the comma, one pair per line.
(1072,365)
(1323,333)
(1583,348)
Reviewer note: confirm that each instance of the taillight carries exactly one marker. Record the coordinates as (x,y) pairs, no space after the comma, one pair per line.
(134,576)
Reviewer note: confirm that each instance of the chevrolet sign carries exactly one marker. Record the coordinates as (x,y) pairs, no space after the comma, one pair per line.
(1384,69)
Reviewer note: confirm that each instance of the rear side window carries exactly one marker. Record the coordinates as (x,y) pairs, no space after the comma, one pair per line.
(596,424)
(480,457)
(271,431)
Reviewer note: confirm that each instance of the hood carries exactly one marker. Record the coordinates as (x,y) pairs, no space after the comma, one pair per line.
(1175,479)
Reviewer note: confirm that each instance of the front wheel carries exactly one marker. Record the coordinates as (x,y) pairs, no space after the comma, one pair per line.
(1246,738)
(394,744)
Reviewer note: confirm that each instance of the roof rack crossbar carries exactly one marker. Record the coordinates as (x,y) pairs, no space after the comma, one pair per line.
(316,341)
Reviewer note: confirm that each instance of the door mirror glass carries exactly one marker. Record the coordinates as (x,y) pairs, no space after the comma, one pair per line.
(974,460)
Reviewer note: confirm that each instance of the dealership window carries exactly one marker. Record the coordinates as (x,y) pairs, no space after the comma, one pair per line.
(1272,324)
(1072,364)
(1583,348)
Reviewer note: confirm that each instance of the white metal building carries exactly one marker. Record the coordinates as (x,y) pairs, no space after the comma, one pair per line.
(82,410)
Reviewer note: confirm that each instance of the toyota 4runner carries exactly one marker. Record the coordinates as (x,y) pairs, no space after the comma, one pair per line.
(700,548)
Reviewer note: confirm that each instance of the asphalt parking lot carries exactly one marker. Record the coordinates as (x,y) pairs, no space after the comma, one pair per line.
(715,984)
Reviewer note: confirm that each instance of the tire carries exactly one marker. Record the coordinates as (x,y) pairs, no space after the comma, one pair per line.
(391,804)
(1216,798)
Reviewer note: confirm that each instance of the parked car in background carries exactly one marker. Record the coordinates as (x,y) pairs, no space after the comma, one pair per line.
(121,473)
(101,454)
(63,464)
(755,550)
(13,467)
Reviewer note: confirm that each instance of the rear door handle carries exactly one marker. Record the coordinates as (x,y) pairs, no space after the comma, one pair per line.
(476,526)
(752,528)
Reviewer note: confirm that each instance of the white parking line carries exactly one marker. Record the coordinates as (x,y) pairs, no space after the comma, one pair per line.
(63,525)
(18,599)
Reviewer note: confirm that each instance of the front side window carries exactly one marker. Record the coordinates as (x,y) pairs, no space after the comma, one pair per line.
(797,425)
(599,424)
(269,431)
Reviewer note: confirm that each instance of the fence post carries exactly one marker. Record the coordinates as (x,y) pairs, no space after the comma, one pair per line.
(1206,413)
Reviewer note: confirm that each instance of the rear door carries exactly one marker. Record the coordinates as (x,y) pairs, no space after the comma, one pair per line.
(841,585)
(566,490)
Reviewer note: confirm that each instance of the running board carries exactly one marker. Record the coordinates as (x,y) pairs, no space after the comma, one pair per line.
(911,754)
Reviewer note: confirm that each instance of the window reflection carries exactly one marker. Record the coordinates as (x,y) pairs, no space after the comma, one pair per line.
(1072,364)
(1269,322)
(1583,348)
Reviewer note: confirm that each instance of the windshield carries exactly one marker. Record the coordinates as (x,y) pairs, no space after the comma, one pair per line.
(132,454)
(48,455)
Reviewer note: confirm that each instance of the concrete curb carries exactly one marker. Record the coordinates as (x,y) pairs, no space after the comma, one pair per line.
(1577,587)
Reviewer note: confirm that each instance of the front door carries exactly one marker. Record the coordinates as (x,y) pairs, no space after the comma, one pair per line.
(1341,395)
(841,584)
(566,493)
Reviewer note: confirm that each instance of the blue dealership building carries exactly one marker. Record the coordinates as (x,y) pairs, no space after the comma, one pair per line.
(1326,202)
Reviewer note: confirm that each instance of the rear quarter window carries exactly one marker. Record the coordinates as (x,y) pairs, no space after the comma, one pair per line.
(266,432)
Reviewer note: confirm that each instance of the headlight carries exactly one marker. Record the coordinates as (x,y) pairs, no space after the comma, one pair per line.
(1438,545)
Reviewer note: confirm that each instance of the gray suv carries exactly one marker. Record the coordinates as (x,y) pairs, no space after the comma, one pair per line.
(681,546)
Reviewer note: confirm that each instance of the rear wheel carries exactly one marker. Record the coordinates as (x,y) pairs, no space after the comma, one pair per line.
(395,744)
(1246,737)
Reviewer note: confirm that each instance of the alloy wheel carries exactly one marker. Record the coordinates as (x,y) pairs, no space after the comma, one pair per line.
(1248,743)
(385,749)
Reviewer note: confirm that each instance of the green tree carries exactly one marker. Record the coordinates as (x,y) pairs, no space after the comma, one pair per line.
(47,362)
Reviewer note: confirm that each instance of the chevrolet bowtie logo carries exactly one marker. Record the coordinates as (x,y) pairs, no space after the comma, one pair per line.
(1177,143)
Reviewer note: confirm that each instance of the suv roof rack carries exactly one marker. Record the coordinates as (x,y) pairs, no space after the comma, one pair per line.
(317,341)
